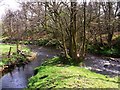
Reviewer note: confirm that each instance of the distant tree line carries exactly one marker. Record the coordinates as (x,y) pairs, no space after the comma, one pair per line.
(73,24)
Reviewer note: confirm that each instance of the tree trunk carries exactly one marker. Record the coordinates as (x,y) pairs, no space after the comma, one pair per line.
(9,52)
(110,31)
(84,35)
(73,32)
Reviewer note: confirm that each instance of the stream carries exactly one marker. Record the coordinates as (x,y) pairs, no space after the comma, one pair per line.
(18,78)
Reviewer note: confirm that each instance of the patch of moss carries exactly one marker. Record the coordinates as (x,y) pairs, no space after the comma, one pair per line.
(52,75)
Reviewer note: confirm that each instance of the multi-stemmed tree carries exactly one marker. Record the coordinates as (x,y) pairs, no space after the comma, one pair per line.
(74,24)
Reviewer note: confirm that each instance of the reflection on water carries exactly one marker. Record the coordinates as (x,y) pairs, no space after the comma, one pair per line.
(18,78)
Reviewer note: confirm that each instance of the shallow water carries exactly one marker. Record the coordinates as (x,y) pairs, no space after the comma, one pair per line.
(102,65)
(18,78)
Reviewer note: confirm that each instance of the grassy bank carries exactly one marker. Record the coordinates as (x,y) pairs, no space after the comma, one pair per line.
(113,51)
(38,42)
(105,49)
(14,57)
(4,48)
(54,74)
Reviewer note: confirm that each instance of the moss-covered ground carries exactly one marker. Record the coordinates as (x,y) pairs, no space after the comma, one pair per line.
(53,74)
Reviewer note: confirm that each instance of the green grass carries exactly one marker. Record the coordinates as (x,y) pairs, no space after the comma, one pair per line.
(105,49)
(51,75)
(4,48)
(114,51)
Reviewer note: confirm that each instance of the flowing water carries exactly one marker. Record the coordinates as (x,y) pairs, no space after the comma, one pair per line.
(18,78)
(103,65)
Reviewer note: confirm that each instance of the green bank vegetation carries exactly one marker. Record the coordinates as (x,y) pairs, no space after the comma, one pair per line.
(54,74)
(11,56)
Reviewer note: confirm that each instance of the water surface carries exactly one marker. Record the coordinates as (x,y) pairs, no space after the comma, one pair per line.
(18,78)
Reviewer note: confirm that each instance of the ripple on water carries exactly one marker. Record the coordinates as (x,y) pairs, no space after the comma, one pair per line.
(103,66)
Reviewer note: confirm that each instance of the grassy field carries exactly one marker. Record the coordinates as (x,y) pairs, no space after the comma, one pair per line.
(53,74)
(4,48)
